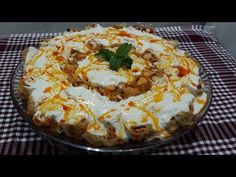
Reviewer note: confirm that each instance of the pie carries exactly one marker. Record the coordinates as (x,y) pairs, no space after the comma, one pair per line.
(110,85)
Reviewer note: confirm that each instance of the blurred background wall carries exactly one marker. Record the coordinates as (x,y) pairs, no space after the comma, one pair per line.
(226,35)
(44,27)
(225,32)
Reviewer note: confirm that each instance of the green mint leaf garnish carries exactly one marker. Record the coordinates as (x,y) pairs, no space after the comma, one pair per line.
(105,54)
(127,62)
(118,59)
(115,63)
(123,50)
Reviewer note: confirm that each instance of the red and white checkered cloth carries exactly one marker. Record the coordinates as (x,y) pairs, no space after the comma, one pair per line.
(216,134)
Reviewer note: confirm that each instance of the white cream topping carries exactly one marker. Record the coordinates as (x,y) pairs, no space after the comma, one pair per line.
(153,46)
(170,108)
(133,114)
(137,66)
(41,61)
(91,99)
(104,42)
(38,87)
(102,131)
(57,41)
(96,30)
(75,114)
(194,79)
(128,40)
(180,52)
(83,63)
(57,114)
(115,41)
(197,106)
(32,51)
(76,45)
(132,30)
(190,80)
(71,34)
(175,63)
(193,82)
(105,77)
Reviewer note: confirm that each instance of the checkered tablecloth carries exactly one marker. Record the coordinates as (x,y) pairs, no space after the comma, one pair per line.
(216,134)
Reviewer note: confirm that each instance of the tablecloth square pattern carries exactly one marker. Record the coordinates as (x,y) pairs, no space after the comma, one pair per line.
(216,134)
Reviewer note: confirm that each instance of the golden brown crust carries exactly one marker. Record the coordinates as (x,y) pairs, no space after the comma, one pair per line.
(146,28)
(30,106)
(91,25)
(182,119)
(76,130)
(73,30)
(78,56)
(93,139)
(22,90)
(186,118)
(148,55)
(172,126)
(118,26)
(24,53)
(140,132)
(109,139)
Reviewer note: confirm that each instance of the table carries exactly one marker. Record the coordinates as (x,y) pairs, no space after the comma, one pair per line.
(216,134)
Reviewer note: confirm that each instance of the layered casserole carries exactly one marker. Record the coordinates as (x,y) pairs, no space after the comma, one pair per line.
(110,85)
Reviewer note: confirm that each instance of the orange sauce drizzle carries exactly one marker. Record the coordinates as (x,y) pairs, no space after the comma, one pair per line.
(47,90)
(158,97)
(105,115)
(200,101)
(182,71)
(93,125)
